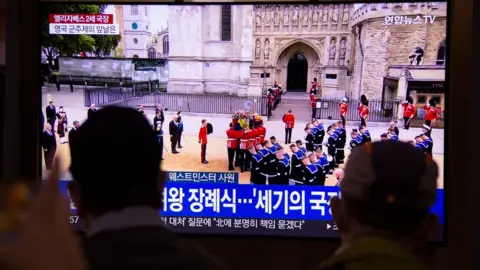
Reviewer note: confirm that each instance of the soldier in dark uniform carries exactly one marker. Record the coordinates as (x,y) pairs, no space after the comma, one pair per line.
(340,144)
(274,142)
(70,83)
(356,139)
(309,138)
(271,162)
(323,160)
(158,128)
(428,142)
(421,144)
(264,165)
(319,134)
(310,171)
(283,168)
(257,160)
(300,147)
(296,164)
(159,117)
(57,82)
(364,134)
(320,175)
(331,146)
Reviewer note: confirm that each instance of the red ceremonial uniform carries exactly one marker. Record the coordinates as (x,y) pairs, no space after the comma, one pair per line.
(289,120)
(363,111)
(313,101)
(244,141)
(408,110)
(202,135)
(343,108)
(262,131)
(431,113)
(232,137)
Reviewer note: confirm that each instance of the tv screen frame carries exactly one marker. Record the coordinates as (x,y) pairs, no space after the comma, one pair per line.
(446,104)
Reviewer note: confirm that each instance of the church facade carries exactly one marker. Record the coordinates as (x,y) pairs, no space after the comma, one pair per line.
(349,50)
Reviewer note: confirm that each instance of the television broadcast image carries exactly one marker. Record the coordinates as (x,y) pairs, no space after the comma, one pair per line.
(256,107)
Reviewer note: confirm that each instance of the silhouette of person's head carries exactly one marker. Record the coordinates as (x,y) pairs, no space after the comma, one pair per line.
(115,164)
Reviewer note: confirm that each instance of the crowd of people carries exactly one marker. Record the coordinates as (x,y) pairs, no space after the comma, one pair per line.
(383,215)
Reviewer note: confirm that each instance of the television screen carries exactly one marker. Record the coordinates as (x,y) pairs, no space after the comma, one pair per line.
(255,73)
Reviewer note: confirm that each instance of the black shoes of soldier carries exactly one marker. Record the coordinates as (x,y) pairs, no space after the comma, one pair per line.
(175,152)
(180,146)
(205,162)
(231,169)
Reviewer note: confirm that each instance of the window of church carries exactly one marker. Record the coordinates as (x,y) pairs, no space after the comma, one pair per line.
(226,23)
(166,46)
(134,10)
(441,53)
(152,53)
(135,41)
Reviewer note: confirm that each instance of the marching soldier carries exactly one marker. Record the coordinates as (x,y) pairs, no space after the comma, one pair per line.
(323,160)
(343,111)
(289,120)
(274,143)
(243,148)
(331,146)
(283,168)
(428,142)
(296,162)
(340,144)
(309,138)
(431,114)
(363,111)
(270,171)
(319,133)
(320,174)
(252,140)
(300,147)
(262,131)
(310,171)
(392,135)
(365,135)
(313,104)
(408,112)
(233,137)
(356,139)
(257,160)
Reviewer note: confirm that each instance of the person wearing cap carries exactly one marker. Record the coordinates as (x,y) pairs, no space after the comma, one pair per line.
(363,111)
(408,112)
(344,111)
(118,193)
(289,120)
(383,215)
(313,103)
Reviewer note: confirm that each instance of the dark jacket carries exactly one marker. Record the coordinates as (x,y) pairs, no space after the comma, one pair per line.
(49,142)
(90,112)
(173,129)
(51,113)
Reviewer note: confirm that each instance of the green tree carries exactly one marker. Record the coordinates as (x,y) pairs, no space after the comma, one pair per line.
(67,45)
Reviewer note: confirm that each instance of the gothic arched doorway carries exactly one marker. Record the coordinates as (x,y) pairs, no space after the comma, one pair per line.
(297,73)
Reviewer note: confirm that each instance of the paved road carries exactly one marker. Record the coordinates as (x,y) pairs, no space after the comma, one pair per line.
(73,103)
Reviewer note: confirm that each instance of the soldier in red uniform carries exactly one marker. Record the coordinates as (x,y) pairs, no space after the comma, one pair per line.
(431,114)
(289,120)
(262,131)
(202,139)
(363,112)
(408,112)
(233,137)
(243,149)
(343,111)
(313,104)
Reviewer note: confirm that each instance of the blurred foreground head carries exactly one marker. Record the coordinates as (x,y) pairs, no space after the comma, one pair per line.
(115,164)
(387,195)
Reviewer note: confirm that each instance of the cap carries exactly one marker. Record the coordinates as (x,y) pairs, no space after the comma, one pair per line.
(373,174)
(383,135)
(344,99)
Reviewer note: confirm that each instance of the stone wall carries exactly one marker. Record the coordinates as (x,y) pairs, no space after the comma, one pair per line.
(385,45)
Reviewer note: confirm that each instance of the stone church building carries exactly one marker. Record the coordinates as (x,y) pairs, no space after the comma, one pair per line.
(350,50)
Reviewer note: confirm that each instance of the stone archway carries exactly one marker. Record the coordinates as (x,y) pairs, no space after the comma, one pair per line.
(297,48)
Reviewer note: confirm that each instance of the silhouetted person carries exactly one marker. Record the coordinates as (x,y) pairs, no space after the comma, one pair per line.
(49,145)
(51,113)
(118,192)
(72,135)
(417,56)
(174,131)
(70,83)
(91,110)
(384,214)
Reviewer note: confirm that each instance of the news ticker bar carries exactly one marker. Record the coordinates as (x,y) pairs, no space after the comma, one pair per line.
(83,29)
(251,201)
(251,226)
